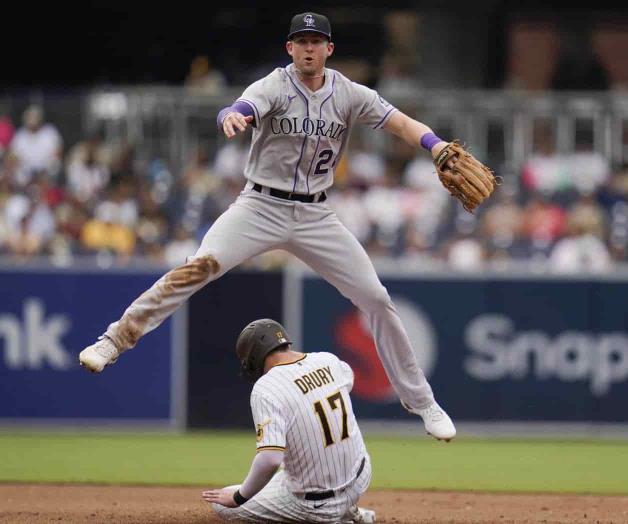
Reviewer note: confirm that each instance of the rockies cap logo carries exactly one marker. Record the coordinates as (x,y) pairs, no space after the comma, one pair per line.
(309,20)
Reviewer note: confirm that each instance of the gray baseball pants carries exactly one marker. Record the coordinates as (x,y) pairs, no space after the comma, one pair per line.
(256,223)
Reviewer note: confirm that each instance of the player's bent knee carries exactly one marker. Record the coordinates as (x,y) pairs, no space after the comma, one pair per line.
(201,268)
(377,300)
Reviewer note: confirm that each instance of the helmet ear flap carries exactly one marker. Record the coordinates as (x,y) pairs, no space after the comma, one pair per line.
(246,370)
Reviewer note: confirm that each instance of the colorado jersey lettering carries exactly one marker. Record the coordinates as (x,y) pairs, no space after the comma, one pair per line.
(299,134)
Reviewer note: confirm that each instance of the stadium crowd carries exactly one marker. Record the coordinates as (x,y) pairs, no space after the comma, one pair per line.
(558,213)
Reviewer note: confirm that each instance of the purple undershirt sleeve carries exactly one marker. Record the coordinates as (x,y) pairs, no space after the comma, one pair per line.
(239,107)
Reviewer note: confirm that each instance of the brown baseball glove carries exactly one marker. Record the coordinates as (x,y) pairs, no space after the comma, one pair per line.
(464,176)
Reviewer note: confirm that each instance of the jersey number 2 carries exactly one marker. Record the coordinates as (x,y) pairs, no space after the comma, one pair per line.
(324,158)
(333,401)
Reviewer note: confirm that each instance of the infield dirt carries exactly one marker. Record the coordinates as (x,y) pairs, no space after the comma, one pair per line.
(39,503)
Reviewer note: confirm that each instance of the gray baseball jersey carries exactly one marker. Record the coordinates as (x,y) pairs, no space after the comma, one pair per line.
(300,134)
(304,408)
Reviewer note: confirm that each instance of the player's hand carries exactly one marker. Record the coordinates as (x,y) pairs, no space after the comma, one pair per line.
(436,151)
(223,496)
(234,123)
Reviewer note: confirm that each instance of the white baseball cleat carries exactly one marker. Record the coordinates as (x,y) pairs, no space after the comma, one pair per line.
(360,515)
(366,516)
(437,422)
(98,355)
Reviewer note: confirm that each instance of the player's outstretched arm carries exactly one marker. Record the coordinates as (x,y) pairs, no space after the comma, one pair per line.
(264,466)
(412,131)
(464,176)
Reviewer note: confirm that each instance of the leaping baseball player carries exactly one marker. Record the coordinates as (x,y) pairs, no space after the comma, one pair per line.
(304,420)
(302,116)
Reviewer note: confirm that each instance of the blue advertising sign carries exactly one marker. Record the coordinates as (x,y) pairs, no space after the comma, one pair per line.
(218,396)
(493,349)
(47,318)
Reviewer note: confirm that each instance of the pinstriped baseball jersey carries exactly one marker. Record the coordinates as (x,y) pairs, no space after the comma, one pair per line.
(304,408)
(299,134)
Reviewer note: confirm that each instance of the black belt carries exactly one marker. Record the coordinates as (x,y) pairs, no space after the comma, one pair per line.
(322,495)
(291,196)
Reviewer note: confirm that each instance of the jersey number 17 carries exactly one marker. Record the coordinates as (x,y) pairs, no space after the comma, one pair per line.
(333,401)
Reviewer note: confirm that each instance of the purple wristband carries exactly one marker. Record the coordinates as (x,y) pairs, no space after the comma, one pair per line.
(429,140)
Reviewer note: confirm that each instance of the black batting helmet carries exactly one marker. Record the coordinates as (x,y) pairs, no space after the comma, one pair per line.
(256,341)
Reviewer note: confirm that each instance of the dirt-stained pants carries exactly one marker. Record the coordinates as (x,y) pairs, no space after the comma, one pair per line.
(256,223)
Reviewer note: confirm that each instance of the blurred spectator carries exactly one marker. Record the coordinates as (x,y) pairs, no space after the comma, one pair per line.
(41,222)
(588,168)
(192,200)
(582,249)
(6,133)
(22,242)
(4,196)
(86,176)
(587,216)
(16,207)
(37,145)
(203,78)
(182,245)
(94,147)
(545,170)
(365,166)
(9,165)
(616,188)
(432,198)
(152,226)
(543,223)
(348,203)
(106,233)
(614,198)
(465,253)
(29,219)
(121,206)
(228,167)
(70,218)
(160,180)
(230,159)
(577,253)
(382,202)
(502,223)
(124,162)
